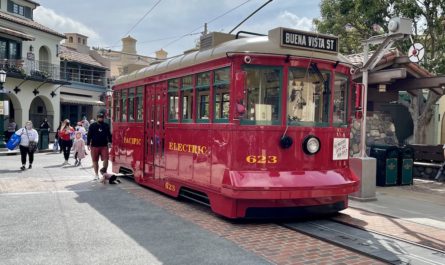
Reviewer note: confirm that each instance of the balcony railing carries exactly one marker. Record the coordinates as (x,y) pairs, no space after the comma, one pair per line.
(21,68)
(32,68)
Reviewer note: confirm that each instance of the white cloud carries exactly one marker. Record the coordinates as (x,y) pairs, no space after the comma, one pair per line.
(52,20)
(294,21)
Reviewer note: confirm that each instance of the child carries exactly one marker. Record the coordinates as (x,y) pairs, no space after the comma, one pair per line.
(112,178)
(79,148)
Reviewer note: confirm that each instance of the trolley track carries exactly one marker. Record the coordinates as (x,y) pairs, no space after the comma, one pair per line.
(373,244)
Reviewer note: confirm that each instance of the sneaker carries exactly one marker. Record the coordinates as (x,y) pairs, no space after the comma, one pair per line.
(79,163)
(23,168)
(96,177)
(75,163)
(65,163)
(30,166)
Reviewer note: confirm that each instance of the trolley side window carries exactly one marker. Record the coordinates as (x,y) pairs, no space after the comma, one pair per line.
(221,86)
(173,100)
(187,98)
(124,105)
(116,106)
(263,95)
(203,97)
(131,105)
(139,103)
(308,97)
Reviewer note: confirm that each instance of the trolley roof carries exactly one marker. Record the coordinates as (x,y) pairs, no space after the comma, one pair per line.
(270,44)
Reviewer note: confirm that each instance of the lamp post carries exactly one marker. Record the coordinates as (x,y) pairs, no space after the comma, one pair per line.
(2,109)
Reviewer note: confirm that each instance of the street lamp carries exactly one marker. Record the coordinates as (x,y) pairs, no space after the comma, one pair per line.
(2,108)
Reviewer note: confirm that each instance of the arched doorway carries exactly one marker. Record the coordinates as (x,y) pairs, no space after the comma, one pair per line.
(44,60)
(41,108)
(14,112)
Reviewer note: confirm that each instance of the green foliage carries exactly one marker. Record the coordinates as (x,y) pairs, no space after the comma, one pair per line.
(356,20)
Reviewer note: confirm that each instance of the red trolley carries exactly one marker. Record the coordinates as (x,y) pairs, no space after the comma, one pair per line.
(252,126)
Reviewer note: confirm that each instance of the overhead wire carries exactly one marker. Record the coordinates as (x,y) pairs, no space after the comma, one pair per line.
(208,22)
(142,18)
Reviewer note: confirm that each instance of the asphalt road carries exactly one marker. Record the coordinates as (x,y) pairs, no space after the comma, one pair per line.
(58,215)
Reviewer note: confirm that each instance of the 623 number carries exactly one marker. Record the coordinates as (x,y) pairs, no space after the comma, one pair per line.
(261,159)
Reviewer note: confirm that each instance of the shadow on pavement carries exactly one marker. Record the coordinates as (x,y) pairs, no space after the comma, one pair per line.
(172,240)
(10,171)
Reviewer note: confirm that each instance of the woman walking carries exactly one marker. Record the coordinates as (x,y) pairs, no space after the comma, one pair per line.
(28,143)
(65,135)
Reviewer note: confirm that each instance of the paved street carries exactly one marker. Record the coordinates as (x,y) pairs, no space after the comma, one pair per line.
(57,215)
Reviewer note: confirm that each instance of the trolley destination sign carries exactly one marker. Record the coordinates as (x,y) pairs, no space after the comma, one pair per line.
(310,41)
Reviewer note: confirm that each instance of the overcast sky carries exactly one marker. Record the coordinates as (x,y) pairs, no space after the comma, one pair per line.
(105,22)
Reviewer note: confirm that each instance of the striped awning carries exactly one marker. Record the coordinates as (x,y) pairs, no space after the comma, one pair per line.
(70,99)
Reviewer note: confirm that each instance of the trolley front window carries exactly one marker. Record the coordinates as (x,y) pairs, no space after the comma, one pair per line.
(340,99)
(308,97)
(116,105)
(263,96)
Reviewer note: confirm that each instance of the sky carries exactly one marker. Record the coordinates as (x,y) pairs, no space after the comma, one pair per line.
(173,25)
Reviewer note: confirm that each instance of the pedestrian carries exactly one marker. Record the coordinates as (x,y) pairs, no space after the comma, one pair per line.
(45,125)
(112,178)
(65,138)
(85,123)
(79,148)
(28,143)
(57,140)
(12,128)
(98,141)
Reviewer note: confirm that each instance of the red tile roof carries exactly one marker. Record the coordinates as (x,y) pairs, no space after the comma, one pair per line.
(72,55)
(29,23)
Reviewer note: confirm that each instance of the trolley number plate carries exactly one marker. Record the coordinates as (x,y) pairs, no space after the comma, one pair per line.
(252,159)
(170,186)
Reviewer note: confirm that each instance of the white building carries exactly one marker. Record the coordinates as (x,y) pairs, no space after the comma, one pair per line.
(29,55)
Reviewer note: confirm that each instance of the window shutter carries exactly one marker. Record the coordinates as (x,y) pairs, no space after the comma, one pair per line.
(10,6)
(28,12)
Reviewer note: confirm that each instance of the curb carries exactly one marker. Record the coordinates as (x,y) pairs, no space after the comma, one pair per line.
(16,152)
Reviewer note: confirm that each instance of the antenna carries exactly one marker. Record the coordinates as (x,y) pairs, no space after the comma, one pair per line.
(416,52)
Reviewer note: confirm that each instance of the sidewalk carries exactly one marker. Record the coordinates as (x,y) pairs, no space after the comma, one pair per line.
(7,152)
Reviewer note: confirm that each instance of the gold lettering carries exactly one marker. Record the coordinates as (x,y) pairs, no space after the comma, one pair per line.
(180,148)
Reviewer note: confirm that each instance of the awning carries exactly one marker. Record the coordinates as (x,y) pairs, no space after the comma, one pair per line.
(16,33)
(69,99)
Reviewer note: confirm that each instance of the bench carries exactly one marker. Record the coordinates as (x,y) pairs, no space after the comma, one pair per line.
(428,159)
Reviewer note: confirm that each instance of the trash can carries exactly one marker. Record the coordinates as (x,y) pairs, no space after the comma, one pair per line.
(406,163)
(387,164)
(43,140)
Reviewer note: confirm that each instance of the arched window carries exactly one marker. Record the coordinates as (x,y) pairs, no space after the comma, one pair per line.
(70,40)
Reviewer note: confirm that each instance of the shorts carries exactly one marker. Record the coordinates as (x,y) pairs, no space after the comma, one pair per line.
(99,151)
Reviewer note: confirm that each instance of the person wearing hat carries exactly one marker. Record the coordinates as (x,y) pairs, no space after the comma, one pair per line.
(98,140)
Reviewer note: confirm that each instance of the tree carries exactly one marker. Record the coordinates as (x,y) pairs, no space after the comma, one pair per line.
(355,20)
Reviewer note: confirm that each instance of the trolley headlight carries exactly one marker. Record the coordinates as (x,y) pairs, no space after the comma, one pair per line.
(311,145)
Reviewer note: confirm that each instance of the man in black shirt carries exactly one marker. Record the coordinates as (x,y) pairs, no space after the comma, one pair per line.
(98,141)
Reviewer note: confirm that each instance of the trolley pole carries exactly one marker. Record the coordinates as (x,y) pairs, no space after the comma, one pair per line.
(366,167)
